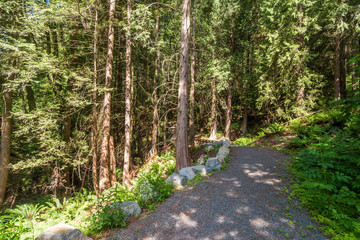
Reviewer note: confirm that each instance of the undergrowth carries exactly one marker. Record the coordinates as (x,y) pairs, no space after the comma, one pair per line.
(85,210)
(327,166)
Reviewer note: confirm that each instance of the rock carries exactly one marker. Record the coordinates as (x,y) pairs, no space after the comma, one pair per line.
(201,160)
(130,208)
(177,180)
(61,232)
(212,164)
(188,172)
(223,151)
(200,169)
(221,159)
(226,143)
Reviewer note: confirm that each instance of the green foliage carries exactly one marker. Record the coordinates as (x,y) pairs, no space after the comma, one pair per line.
(107,214)
(9,229)
(245,141)
(150,185)
(327,168)
(272,129)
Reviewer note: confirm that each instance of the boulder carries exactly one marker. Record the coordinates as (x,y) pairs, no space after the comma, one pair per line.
(130,208)
(212,164)
(61,232)
(188,172)
(223,151)
(177,180)
(226,143)
(221,159)
(200,169)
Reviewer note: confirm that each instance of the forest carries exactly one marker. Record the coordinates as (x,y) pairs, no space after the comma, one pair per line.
(94,90)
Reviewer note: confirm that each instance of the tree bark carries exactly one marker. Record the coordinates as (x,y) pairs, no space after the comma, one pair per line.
(213,128)
(243,127)
(182,153)
(94,110)
(104,156)
(337,68)
(30,98)
(112,162)
(5,143)
(228,113)
(155,98)
(127,151)
(192,87)
(342,69)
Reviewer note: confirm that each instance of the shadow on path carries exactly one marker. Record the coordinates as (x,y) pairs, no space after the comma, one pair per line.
(242,202)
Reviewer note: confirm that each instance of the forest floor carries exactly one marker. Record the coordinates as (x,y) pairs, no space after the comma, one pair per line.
(248,200)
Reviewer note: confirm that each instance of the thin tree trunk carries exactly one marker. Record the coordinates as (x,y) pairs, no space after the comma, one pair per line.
(228,113)
(243,127)
(104,156)
(156,81)
(94,110)
(127,151)
(112,162)
(337,69)
(342,69)
(182,153)
(30,98)
(5,143)
(165,129)
(192,87)
(213,128)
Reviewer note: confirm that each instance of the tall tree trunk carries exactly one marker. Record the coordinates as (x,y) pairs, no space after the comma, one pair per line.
(112,162)
(94,110)
(182,153)
(5,142)
(156,81)
(104,156)
(228,113)
(243,127)
(213,128)
(337,68)
(342,69)
(127,152)
(192,87)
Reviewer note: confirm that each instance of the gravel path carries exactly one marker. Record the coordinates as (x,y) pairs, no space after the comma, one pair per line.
(242,202)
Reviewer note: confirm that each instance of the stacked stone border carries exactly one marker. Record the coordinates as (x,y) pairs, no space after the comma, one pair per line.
(188,173)
(130,208)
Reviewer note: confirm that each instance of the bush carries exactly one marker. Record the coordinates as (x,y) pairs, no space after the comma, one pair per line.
(327,168)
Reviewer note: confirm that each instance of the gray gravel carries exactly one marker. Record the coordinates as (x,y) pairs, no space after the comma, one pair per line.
(245,201)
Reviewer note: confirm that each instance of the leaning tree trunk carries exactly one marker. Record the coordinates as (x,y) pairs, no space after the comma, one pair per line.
(192,87)
(182,153)
(104,156)
(5,147)
(127,151)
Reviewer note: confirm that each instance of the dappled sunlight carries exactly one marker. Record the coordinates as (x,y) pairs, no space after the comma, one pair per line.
(271,181)
(184,220)
(259,223)
(257,173)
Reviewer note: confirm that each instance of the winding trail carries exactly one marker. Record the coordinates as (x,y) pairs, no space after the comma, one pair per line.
(242,202)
